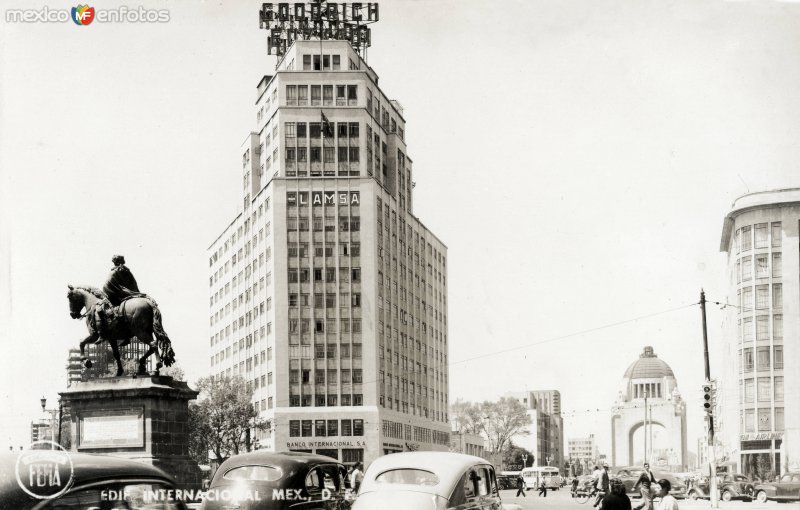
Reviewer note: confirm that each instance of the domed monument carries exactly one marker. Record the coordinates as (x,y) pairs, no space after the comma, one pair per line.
(648,420)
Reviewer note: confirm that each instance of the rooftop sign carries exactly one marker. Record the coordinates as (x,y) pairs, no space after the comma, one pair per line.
(288,22)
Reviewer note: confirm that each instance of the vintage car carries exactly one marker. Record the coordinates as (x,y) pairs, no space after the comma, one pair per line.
(787,488)
(55,480)
(630,477)
(429,480)
(730,486)
(276,481)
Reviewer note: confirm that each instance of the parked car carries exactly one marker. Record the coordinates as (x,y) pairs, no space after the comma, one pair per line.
(84,481)
(506,482)
(787,488)
(277,481)
(429,480)
(630,477)
(730,486)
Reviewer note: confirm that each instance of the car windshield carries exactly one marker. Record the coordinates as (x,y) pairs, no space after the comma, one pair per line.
(740,478)
(254,473)
(408,476)
(138,496)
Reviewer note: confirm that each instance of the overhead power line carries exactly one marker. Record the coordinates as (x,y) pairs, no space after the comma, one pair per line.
(570,335)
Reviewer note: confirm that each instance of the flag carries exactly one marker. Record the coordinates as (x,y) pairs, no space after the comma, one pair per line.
(327,127)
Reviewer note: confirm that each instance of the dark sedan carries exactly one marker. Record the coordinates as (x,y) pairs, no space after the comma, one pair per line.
(729,487)
(56,480)
(630,477)
(787,488)
(277,481)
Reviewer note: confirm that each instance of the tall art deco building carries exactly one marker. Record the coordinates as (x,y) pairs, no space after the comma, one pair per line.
(327,295)
(759,415)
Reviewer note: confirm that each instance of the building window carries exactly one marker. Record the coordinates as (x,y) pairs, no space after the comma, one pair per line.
(291,95)
(763,358)
(306,428)
(347,427)
(747,359)
(352,95)
(764,422)
(777,327)
(776,265)
(776,235)
(778,352)
(749,390)
(762,297)
(762,327)
(294,428)
(762,266)
(779,388)
(320,428)
(749,420)
(358,427)
(747,238)
(747,298)
(764,389)
(747,268)
(761,239)
(779,426)
(333,428)
(747,329)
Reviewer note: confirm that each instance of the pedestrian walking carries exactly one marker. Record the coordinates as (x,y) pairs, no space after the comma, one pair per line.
(668,501)
(543,489)
(574,486)
(356,477)
(616,499)
(520,487)
(645,483)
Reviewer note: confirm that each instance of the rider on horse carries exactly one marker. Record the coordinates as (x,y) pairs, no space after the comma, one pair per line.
(120,285)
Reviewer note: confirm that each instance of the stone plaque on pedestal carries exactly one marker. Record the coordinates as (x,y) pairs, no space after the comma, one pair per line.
(142,418)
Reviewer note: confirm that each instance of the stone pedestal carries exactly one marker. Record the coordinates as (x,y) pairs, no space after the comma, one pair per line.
(142,418)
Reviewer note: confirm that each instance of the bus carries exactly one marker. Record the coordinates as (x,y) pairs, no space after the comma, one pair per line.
(533,477)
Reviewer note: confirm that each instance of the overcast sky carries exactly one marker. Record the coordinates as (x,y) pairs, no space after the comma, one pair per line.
(577,158)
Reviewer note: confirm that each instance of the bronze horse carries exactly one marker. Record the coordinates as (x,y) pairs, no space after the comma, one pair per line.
(139,317)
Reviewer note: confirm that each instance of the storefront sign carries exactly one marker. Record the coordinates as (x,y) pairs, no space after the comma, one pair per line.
(761,436)
(317,198)
(334,443)
(319,20)
(393,445)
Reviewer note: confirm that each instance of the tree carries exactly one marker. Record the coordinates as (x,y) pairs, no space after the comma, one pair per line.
(222,418)
(466,416)
(497,421)
(503,420)
(513,457)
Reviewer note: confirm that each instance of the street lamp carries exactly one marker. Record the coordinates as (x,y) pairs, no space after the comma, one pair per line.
(53,412)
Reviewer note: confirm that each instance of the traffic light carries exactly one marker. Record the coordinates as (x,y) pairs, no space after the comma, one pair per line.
(708,389)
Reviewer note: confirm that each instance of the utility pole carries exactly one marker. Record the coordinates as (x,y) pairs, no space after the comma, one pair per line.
(711,450)
(644,455)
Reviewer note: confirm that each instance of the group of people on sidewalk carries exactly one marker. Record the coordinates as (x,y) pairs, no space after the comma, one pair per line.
(612,494)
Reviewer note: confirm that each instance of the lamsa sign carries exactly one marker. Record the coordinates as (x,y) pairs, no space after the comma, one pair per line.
(288,22)
(317,198)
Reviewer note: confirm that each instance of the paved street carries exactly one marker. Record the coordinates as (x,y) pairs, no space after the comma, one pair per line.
(561,500)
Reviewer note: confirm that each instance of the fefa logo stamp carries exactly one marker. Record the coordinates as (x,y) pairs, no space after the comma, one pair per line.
(45,470)
(82,14)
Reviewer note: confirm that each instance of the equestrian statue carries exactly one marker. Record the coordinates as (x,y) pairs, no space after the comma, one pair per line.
(118,313)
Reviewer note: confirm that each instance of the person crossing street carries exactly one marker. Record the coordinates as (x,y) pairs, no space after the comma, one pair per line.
(520,486)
